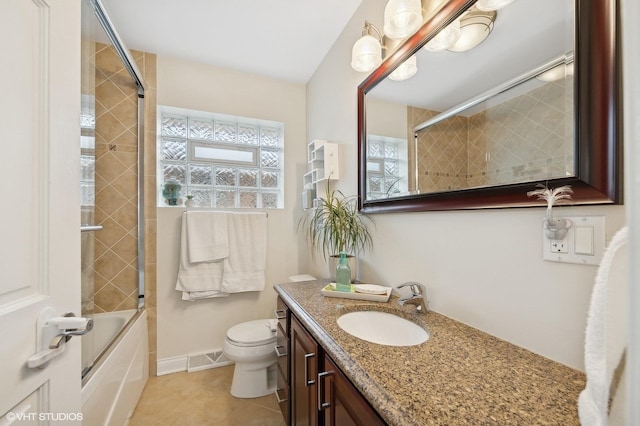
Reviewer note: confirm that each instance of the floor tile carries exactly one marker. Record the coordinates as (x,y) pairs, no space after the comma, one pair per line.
(202,398)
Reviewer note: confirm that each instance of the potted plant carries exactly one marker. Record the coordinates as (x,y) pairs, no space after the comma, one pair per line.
(335,226)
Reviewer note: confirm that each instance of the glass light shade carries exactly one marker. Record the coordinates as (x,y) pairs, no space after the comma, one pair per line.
(402,18)
(366,54)
(445,38)
(489,5)
(472,33)
(405,71)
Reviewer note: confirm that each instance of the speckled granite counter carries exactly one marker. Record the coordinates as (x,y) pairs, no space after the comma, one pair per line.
(459,376)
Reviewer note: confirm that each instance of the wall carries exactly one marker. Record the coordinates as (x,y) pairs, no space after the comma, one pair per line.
(116,187)
(483,268)
(116,184)
(502,144)
(196,327)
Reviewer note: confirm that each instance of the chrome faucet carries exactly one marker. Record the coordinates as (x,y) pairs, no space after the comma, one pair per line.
(417,297)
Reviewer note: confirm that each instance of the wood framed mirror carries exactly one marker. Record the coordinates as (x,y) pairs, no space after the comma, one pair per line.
(595,171)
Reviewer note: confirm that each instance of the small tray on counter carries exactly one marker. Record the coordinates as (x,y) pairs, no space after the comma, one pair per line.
(330,291)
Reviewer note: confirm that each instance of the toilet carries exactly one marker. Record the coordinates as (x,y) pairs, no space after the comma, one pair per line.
(251,345)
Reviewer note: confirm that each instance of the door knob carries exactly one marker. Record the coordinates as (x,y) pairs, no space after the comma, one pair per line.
(53,332)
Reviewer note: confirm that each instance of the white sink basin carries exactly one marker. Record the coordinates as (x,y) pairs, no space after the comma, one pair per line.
(382,328)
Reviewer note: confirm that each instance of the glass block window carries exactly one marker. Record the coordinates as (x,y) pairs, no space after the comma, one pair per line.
(386,167)
(222,161)
(87,151)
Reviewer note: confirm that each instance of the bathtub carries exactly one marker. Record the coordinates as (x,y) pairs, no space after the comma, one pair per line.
(111,389)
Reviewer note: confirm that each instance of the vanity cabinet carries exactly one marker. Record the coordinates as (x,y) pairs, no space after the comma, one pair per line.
(304,371)
(340,401)
(318,393)
(283,316)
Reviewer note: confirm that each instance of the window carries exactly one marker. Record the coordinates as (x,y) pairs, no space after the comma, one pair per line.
(386,167)
(222,161)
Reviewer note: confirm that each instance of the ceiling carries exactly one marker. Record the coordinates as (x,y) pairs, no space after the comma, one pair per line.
(527,34)
(284,39)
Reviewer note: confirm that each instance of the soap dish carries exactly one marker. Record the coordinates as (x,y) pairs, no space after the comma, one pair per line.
(330,291)
(370,289)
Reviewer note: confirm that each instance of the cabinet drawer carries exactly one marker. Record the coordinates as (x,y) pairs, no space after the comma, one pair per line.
(282,395)
(282,351)
(282,315)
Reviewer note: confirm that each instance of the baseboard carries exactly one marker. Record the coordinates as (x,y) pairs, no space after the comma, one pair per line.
(174,364)
(192,362)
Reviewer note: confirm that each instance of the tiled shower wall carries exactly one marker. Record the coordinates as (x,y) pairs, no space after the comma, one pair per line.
(116,186)
(116,182)
(527,138)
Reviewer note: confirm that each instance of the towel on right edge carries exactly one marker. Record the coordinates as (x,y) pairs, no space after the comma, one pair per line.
(606,338)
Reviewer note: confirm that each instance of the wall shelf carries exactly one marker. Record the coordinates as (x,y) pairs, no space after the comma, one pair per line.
(322,165)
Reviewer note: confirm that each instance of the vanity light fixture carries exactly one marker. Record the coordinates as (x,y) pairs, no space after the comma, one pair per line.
(402,18)
(367,51)
(445,38)
(406,70)
(489,5)
(475,27)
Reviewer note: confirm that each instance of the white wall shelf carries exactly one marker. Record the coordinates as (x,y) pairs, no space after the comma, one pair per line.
(322,164)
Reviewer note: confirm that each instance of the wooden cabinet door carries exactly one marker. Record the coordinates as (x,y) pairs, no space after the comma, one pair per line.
(304,371)
(282,351)
(341,402)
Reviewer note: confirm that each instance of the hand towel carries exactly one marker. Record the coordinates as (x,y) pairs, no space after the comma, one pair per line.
(605,339)
(207,236)
(201,279)
(244,269)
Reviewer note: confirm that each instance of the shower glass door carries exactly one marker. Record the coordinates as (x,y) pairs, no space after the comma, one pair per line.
(111,102)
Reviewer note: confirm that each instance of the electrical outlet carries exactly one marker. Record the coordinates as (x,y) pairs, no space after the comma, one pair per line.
(559,246)
(584,243)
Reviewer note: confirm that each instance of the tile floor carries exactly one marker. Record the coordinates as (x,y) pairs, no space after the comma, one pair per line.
(202,398)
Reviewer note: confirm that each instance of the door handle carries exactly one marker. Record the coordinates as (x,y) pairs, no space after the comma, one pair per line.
(69,325)
(322,405)
(280,354)
(306,369)
(280,400)
(52,334)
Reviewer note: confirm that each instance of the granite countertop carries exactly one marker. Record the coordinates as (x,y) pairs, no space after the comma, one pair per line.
(461,375)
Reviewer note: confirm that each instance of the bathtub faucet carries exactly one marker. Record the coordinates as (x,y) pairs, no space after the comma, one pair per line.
(417,296)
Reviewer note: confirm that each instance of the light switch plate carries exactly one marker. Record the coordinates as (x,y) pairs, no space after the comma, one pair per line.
(590,233)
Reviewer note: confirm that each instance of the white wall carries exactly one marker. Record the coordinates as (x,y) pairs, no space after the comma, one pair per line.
(483,268)
(195,327)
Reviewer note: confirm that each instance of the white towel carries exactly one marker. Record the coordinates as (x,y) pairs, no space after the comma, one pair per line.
(605,339)
(199,279)
(207,236)
(244,269)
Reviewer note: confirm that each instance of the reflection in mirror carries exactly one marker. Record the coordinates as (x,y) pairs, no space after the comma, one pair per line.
(482,127)
(522,134)
(494,115)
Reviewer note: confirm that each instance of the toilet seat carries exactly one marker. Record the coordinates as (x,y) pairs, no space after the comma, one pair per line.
(251,333)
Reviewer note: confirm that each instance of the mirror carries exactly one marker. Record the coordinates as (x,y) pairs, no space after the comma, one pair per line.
(480,128)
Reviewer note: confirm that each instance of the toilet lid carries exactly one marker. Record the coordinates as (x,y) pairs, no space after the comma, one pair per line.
(256,332)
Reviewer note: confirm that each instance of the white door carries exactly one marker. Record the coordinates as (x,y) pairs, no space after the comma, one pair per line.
(39,204)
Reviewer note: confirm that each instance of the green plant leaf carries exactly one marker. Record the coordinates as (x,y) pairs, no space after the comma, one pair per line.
(335,225)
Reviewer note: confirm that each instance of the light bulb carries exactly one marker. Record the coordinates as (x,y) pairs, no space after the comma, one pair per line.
(445,38)
(490,5)
(366,54)
(406,70)
(402,18)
